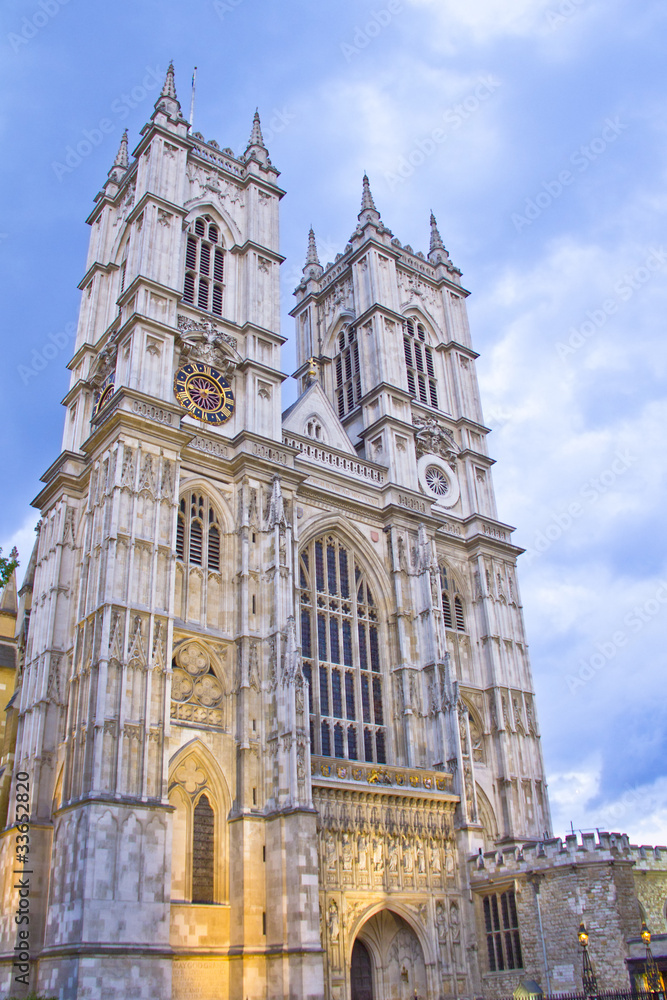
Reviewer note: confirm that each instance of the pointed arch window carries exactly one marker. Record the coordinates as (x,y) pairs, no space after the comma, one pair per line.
(203,851)
(346,367)
(419,364)
(340,645)
(198,533)
(453,609)
(204,266)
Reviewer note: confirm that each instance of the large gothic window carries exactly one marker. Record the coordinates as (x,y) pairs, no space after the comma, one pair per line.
(419,365)
(203,852)
(204,266)
(340,644)
(346,366)
(453,613)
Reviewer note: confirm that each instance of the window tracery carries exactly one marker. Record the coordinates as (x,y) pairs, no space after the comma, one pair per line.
(196,691)
(346,367)
(341,654)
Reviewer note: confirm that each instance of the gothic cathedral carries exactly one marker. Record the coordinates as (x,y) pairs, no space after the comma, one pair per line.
(275,691)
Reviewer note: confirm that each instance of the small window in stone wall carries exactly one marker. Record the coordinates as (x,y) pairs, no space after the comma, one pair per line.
(203,852)
(501,923)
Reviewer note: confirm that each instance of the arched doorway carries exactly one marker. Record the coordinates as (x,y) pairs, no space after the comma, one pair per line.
(361,973)
(387,951)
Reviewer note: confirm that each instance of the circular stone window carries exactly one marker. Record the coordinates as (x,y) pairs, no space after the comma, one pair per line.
(438,481)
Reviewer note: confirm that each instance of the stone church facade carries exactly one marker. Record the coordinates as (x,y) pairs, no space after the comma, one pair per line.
(273,693)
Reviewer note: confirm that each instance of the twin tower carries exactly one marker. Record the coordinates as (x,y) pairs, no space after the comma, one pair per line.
(274,688)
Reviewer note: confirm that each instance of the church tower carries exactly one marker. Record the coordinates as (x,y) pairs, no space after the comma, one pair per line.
(273,689)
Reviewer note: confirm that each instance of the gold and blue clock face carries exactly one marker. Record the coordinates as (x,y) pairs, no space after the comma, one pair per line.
(104,395)
(204,393)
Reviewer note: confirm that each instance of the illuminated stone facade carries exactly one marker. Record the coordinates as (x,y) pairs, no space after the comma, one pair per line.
(275,690)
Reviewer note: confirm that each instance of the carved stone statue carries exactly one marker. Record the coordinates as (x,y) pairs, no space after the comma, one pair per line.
(333,922)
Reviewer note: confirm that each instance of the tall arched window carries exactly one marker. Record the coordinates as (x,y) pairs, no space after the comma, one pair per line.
(348,380)
(203,852)
(204,266)
(452,603)
(198,532)
(419,365)
(341,654)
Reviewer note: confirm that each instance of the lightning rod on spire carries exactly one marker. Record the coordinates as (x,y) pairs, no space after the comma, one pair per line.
(192,99)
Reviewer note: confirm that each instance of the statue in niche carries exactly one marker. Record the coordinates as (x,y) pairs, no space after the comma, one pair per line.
(331,852)
(455,923)
(421,859)
(363,852)
(449,864)
(408,864)
(347,853)
(393,857)
(441,921)
(334,922)
(436,867)
(378,856)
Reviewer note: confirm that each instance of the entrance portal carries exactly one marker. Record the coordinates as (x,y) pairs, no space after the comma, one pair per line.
(387,960)
(361,976)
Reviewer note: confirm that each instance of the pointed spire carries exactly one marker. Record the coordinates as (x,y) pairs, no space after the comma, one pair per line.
(256,137)
(167,101)
(366,196)
(437,253)
(311,256)
(169,88)
(256,148)
(313,268)
(369,212)
(9,601)
(120,164)
(436,239)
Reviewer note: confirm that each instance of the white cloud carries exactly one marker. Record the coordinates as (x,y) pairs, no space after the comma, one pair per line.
(485,19)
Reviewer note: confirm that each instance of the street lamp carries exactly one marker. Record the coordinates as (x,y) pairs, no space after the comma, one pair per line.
(588,975)
(652,973)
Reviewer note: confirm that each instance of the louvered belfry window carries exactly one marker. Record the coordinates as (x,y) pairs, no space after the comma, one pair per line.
(204,266)
(419,365)
(340,644)
(198,533)
(453,614)
(346,368)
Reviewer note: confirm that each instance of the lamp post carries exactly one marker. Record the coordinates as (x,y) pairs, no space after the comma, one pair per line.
(652,973)
(588,977)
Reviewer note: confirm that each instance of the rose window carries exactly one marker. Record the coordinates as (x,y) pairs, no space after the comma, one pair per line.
(436,481)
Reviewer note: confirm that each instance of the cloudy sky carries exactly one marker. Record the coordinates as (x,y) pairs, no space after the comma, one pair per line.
(536,131)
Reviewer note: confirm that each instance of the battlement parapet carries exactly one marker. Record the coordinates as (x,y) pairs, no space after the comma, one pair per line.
(589,848)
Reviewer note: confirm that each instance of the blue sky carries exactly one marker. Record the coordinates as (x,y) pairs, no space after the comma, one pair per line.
(535,130)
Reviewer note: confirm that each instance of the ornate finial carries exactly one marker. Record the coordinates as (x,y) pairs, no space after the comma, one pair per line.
(369,212)
(121,162)
(312,373)
(256,149)
(437,253)
(436,239)
(256,137)
(366,196)
(169,88)
(311,256)
(312,267)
